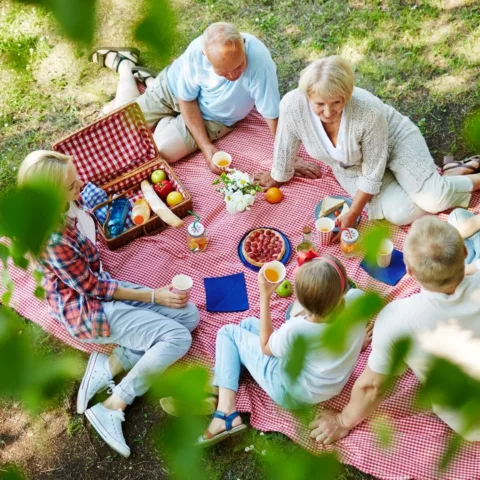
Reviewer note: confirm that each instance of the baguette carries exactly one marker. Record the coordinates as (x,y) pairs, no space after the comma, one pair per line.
(157,206)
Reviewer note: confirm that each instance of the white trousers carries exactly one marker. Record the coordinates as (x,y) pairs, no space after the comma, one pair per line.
(437,194)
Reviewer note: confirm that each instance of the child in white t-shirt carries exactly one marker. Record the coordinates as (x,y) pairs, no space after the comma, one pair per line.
(321,286)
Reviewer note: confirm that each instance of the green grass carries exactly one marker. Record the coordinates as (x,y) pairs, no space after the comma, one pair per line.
(416,55)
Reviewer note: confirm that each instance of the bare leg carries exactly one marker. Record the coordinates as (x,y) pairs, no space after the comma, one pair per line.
(169,141)
(226,404)
(127,90)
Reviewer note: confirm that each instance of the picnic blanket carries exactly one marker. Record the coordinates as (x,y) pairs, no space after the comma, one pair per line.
(419,436)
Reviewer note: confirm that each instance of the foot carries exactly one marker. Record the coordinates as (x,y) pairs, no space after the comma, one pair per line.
(108,424)
(467,167)
(218,425)
(115,59)
(97,377)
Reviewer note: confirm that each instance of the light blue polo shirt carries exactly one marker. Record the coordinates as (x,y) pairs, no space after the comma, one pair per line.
(191,77)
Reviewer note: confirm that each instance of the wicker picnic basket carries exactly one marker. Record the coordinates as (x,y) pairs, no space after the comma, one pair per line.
(116,153)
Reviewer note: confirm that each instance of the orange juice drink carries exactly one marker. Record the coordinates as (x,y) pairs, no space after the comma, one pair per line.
(222,160)
(274,271)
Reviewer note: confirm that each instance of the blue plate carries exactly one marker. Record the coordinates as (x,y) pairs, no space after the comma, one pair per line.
(348,201)
(286,255)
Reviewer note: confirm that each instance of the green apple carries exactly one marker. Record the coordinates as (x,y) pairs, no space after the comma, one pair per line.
(158,176)
(284,289)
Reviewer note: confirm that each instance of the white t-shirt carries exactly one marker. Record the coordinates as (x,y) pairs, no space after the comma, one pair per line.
(336,152)
(324,374)
(445,325)
(85,222)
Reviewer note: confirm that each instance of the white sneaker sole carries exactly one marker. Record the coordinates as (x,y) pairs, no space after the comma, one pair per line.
(120,448)
(82,402)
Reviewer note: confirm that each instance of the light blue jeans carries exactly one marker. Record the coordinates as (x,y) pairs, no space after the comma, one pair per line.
(472,243)
(239,345)
(150,338)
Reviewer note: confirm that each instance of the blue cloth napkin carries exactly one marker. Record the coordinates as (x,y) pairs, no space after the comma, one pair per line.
(92,196)
(390,275)
(226,294)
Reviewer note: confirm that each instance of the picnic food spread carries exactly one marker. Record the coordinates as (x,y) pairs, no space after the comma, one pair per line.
(157,205)
(263,245)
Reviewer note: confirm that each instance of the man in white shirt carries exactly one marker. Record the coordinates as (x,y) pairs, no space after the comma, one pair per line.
(442,320)
(198,99)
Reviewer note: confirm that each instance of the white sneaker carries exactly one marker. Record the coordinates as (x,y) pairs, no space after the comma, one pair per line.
(108,424)
(97,377)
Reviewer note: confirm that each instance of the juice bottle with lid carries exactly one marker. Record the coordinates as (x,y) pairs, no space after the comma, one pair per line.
(306,244)
(197,239)
(140,212)
(349,242)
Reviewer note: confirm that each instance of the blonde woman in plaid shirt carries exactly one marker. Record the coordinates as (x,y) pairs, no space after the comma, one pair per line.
(150,326)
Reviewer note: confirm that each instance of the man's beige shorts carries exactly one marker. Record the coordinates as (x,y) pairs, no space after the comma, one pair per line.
(158,102)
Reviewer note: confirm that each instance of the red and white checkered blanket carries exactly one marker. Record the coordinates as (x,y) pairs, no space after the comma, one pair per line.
(419,436)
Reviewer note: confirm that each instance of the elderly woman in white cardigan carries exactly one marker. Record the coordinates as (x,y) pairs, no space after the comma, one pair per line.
(378,156)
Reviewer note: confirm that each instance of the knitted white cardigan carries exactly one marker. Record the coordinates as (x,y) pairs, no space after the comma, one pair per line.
(376,137)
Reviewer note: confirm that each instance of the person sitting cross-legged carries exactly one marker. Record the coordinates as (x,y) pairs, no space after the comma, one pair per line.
(443,319)
(150,326)
(321,287)
(200,97)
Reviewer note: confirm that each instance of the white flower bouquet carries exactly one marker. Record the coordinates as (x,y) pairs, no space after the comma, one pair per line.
(238,190)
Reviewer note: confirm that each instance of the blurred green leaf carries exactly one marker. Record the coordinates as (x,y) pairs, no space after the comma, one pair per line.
(370,241)
(471,131)
(454,444)
(300,465)
(75,17)
(8,285)
(11,472)
(157,29)
(30,376)
(401,349)
(361,310)
(296,358)
(29,214)
(178,435)
(383,429)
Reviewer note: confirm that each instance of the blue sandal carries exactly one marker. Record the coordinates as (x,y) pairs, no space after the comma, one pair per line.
(208,439)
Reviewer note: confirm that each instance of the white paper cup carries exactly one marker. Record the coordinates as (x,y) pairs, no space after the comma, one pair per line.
(181,284)
(384,255)
(325,228)
(220,158)
(274,272)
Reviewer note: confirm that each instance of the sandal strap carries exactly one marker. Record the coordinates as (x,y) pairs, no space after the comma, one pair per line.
(228,419)
(119,58)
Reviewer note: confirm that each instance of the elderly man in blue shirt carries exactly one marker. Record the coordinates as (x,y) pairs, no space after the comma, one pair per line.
(198,99)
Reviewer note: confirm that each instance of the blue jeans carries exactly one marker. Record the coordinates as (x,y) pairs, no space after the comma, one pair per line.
(239,345)
(472,243)
(150,338)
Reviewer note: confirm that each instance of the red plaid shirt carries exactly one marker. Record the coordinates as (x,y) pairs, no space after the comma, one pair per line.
(74,283)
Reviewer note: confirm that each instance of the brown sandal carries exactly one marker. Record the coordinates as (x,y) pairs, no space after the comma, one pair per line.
(449,164)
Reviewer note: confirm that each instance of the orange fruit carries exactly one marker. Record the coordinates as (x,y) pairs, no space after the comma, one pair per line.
(273,195)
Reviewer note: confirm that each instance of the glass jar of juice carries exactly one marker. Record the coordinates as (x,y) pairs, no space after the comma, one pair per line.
(196,237)
(349,242)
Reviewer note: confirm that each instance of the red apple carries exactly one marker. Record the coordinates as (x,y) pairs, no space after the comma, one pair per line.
(163,188)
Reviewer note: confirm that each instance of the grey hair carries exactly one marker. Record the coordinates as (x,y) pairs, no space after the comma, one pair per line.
(221,34)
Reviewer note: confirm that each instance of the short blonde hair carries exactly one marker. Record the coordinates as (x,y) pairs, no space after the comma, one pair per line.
(44,164)
(318,286)
(434,252)
(222,34)
(329,77)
